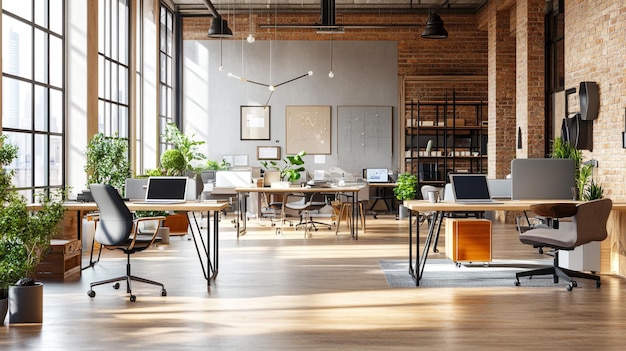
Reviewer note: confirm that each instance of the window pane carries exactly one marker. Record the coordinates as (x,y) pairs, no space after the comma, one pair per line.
(113,121)
(169,66)
(41,160)
(114,32)
(163,65)
(56,160)
(101,26)
(107,79)
(41,56)
(115,88)
(56,111)
(163,110)
(101,77)
(123,32)
(123,85)
(56,61)
(17,104)
(41,13)
(22,9)
(22,165)
(41,108)
(170,35)
(17,42)
(101,118)
(56,16)
(123,118)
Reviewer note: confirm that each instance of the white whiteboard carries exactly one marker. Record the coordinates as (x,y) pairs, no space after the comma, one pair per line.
(364,137)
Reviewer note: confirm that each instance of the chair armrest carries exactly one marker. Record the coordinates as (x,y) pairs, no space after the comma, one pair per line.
(555,210)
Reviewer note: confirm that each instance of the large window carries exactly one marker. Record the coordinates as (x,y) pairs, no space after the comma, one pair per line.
(166,75)
(113,67)
(33,90)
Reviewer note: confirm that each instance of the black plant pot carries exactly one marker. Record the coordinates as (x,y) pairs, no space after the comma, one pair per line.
(26,304)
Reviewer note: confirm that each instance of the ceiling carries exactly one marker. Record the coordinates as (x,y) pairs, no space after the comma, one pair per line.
(200,8)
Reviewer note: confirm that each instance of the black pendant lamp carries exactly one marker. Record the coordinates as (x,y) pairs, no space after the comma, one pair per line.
(434,28)
(219,28)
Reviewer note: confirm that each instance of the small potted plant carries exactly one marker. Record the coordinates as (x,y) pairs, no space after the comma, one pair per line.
(290,167)
(405,189)
(107,161)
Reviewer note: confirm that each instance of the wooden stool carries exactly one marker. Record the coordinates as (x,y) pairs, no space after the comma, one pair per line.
(346,210)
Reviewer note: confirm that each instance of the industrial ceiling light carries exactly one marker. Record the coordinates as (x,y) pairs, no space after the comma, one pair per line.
(219,27)
(434,28)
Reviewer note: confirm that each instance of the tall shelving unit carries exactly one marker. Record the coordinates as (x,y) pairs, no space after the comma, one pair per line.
(457,133)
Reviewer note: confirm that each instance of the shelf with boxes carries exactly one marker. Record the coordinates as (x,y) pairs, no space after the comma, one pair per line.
(446,136)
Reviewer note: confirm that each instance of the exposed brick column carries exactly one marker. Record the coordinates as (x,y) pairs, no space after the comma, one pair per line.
(530,70)
(502,121)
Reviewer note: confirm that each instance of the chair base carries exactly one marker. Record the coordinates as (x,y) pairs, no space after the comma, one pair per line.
(558,272)
(128,278)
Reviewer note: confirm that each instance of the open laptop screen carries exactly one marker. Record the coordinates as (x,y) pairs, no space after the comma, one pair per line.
(166,189)
(470,187)
(376,175)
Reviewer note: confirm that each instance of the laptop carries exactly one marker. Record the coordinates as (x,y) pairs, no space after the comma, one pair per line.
(471,188)
(166,190)
(376,175)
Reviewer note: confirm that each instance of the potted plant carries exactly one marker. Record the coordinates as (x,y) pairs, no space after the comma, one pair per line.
(24,239)
(107,161)
(188,149)
(290,168)
(405,189)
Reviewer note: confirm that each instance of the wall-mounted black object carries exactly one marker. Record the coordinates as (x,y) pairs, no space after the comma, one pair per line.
(519,137)
(589,99)
(574,129)
(624,132)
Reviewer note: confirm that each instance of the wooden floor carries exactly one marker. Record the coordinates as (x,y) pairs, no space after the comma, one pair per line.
(319,293)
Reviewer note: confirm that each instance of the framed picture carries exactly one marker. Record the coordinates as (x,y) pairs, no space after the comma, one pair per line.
(255,123)
(308,128)
(268,152)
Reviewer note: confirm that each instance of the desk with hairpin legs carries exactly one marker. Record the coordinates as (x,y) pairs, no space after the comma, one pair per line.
(416,265)
(209,259)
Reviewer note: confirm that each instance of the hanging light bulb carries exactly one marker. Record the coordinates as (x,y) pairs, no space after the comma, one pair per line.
(331,73)
(250,38)
(221,66)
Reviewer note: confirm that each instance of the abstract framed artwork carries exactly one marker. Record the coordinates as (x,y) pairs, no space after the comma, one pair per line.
(308,128)
(255,123)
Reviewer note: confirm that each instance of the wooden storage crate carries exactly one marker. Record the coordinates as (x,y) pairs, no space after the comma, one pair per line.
(468,239)
(62,260)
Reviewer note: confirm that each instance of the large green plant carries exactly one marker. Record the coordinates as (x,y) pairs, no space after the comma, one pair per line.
(290,167)
(107,161)
(24,234)
(185,144)
(582,171)
(406,187)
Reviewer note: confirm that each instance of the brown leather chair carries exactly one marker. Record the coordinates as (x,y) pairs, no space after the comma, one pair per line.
(587,223)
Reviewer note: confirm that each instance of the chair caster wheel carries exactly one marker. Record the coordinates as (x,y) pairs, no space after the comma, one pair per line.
(116,286)
(91,293)
(598,284)
(133,298)
(573,284)
(163,292)
(517,283)
(569,287)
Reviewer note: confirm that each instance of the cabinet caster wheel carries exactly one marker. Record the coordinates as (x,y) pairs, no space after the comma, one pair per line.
(133,298)
(116,286)
(163,292)
(91,293)
(598,284)
(517,283)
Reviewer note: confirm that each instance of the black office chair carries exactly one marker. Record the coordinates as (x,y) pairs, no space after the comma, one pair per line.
(588,223)
(117,229)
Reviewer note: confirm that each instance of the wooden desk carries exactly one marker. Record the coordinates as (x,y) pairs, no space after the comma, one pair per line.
(243,192)
(416,267)
(190,207)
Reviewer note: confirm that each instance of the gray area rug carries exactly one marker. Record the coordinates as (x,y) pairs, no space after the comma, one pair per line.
(444,273)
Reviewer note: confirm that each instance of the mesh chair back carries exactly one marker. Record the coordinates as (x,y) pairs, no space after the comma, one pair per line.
(115,220)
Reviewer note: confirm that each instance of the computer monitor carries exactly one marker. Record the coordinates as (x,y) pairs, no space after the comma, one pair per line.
(542,178)
(376,175)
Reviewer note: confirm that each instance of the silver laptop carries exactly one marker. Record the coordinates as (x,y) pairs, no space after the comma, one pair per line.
(166,190)
(471,188)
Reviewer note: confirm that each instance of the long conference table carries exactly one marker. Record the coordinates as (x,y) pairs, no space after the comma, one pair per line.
(243,192)
(417,262)
(209,258)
